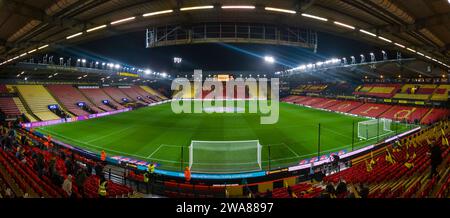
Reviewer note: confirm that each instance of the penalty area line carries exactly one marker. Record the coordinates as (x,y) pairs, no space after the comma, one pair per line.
(154,152)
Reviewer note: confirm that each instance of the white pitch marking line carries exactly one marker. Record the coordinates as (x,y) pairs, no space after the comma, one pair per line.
(287,146)
(149,156)
(110,134)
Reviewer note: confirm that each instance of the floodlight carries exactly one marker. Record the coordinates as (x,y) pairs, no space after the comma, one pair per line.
(177,60)
(269,59)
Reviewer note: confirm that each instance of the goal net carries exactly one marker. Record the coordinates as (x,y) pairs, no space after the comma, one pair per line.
(370,129)
(225,156)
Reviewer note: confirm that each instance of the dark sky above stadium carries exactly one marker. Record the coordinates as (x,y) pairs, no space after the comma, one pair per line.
(130,49)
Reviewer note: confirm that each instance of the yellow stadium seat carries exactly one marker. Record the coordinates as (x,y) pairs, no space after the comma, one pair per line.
(38,98)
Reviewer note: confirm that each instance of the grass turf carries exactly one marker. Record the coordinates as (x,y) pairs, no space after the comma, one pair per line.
(157,134)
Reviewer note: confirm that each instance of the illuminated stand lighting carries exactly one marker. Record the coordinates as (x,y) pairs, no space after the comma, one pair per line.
(384,55)
(122,20)
(238,7)
(353,60)
(280,10)
(344,60)
(157,13)
(197,8)
(363,59)
(372,57)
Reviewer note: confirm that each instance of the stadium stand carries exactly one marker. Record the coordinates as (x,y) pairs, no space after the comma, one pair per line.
(97,96)
(38,99)
(32,167)
(154,92)
(7,104)
(441,93)
(137,94)
(411,114)
(69,96)
(3,89)
(435,114)
(252,92)
(326,103)
(401,171)
(378,90)
(337,89)
(118,95)
(298,99)
(312,101)
(345,106)
(371,110)
(23,110)
(309,88)
(398,170)
(415,92)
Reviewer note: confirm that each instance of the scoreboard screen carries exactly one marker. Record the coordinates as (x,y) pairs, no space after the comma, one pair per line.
(223,77)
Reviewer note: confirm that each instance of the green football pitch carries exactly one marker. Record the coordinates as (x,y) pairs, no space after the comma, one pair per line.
(156,134)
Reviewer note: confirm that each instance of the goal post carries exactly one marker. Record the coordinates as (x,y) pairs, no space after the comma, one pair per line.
(372,128)
(225,156)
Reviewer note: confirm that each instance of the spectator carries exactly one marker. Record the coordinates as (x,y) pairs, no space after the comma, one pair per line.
(8,193)
(80,178)
(311,171)
(98,170)
(89,169)
(341,188)
(291,193)
(436,159)
(363,191)
(102,188)
(329,191)
(40,164)
(67,185)
(336,160)
(69,166)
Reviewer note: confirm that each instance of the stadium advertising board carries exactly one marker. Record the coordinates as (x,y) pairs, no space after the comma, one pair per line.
(126,74)
(223,77)
(72,119)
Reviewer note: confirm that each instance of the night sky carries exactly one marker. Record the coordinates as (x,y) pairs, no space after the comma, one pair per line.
(130,49)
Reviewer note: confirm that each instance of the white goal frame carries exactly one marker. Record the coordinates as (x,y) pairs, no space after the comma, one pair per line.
(382,121)
(258,147)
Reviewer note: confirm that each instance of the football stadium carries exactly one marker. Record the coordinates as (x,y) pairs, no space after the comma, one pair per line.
(224,99)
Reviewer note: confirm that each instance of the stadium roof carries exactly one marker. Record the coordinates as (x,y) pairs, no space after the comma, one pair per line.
(421,27)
